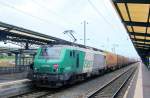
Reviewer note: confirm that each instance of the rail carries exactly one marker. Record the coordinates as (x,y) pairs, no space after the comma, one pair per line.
(112,88)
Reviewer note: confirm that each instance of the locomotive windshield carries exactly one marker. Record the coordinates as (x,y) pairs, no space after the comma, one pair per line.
(50,53)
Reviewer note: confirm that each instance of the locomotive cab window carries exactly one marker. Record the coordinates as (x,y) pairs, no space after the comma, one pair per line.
(50,53)
(73,53)
(70,53)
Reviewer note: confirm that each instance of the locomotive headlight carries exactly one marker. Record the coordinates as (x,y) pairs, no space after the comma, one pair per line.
(55,67)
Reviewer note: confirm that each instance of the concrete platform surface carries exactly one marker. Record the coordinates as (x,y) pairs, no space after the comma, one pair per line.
(13,88)
(140,84)
(12,77)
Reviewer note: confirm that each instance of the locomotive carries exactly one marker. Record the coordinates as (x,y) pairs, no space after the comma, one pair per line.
(58,65)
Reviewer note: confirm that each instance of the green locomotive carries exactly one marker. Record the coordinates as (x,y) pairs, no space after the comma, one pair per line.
(61,64)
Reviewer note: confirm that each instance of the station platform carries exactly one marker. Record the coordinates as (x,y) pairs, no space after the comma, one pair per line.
(140,84)
(12,77)
(13,84)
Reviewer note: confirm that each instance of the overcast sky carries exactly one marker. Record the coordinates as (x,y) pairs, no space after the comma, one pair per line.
(104,28)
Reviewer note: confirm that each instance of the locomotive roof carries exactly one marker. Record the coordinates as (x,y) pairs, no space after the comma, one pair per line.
(89,49)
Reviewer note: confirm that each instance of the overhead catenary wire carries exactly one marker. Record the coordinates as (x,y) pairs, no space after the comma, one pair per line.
(100,14)
(29,14)
(108,10)
(56,14)
(51,12)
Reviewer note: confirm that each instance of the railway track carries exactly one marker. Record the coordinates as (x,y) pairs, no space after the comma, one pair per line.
(105,90)
(112,89)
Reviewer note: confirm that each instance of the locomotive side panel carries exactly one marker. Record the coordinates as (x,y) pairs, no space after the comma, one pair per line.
(99,62)
(88,62)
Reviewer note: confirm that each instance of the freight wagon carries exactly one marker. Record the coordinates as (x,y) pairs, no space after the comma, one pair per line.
(111,60)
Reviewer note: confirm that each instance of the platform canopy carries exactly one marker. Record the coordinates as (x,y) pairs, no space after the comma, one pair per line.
(135,15)
(20,35)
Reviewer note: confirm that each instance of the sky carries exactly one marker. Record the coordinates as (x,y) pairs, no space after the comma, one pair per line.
(104,29)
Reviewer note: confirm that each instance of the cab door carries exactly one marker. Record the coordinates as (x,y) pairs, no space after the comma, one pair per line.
(77,61)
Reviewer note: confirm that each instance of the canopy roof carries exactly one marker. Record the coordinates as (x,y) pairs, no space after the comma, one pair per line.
(135,15)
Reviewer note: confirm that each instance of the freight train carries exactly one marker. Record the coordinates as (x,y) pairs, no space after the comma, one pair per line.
(58,65)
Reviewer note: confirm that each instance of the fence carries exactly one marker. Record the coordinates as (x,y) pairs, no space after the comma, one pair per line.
(16,69)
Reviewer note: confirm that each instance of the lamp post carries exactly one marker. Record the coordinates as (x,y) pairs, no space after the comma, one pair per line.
(113,48)
(85,40)
(84,29)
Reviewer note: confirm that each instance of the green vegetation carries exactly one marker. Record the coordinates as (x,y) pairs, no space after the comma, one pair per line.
(7,61)
(6,57)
